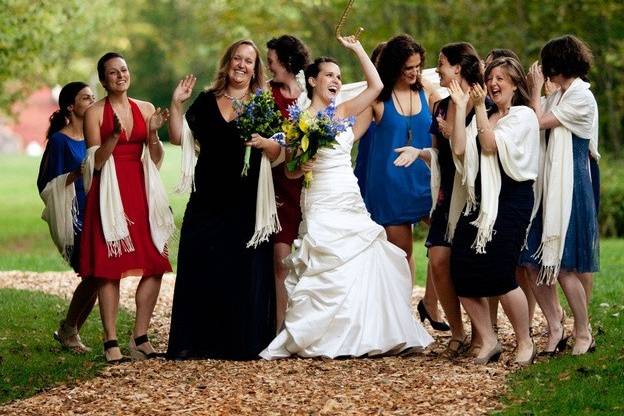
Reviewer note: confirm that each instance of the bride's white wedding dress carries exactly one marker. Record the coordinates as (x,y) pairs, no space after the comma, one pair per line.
(349,289)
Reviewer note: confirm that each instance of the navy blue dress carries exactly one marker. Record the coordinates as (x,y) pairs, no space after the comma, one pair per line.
(493,272)
(439,217)
(361,161)
(396,195)
(62,155)
(581,250)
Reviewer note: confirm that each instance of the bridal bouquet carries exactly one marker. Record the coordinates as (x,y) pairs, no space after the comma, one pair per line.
(306,134)
(258,115)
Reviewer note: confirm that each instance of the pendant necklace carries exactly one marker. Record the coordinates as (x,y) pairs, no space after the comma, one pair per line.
(408,120)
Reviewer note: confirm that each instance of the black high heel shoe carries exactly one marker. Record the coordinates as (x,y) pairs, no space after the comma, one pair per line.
(438,326)
(560,347)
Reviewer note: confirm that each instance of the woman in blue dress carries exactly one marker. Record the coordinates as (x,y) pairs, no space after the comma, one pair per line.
(63,155)
(398,198)
(563,239)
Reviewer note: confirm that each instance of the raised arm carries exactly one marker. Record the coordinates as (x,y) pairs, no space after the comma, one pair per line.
(460,99)
(182,93)
(485,132)
(92,135)
(535,78)
(360,102)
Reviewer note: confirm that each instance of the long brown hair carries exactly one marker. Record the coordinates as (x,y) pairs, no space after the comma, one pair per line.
(392,59)
(221,79)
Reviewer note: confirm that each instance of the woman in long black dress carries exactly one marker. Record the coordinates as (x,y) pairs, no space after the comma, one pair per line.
(224,299)
(497,161)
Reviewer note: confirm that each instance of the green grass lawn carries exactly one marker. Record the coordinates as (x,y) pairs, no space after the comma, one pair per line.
(30,359)
(594,383)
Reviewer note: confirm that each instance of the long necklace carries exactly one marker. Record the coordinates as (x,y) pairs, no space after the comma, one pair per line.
(408,119)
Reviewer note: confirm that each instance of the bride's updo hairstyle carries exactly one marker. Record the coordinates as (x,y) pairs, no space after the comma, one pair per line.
(313,70)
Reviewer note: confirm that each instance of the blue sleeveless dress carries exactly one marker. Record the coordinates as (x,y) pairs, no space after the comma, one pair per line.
(396,195)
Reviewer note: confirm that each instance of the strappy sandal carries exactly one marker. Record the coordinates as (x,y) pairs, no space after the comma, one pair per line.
(455,348)
(137,354)
(112,343)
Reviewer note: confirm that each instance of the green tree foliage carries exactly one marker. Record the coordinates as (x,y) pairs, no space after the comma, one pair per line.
(162,40)
(47,42)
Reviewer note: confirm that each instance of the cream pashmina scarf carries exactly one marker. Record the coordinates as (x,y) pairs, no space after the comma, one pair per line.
(517,149)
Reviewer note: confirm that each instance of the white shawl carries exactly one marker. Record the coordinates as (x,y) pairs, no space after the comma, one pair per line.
(517,145)
(434,182)
(267,221)
(576,110)
(114,221)
(61,213)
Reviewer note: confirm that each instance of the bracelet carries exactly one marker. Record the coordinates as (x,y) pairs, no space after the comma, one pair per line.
(483,129)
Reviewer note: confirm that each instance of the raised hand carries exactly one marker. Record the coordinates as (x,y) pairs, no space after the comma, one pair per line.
(350,42)
(535,78)
(184,89)
(550,87)
(478,94)
(459,96)
(407,156)
(158,119)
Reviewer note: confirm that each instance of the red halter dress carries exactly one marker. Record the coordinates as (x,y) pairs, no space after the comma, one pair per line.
(145,260)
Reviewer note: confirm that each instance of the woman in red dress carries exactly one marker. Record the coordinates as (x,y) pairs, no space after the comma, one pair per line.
(121,126)
(286,56)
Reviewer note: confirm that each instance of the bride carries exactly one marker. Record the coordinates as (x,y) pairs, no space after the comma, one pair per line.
(349,288)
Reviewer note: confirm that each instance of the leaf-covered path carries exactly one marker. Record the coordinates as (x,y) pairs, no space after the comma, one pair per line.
(420,384)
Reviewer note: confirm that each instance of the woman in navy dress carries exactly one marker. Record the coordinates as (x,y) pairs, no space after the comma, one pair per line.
(570,113)
(365,128)
(64,153)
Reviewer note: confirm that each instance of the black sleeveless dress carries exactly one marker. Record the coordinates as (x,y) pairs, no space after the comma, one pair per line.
(224,299)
